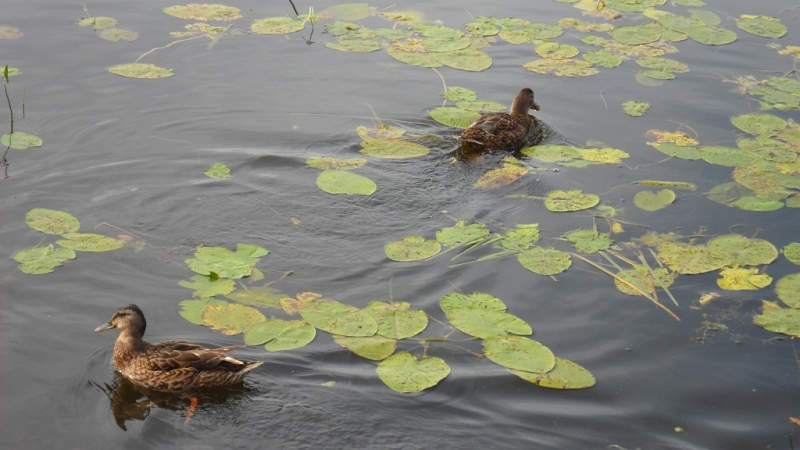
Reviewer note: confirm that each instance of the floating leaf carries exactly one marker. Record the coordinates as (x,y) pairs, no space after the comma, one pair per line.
(413,53)
(445,44)
(218,260)
(556,51)
(542,31)
(328,163)
(768,27)
(20,140)
(653,201)
(603,58)
(277,25)
(205,286)
(232,318)
(688,259)
(454,117)
(412,248)
(565,375)
(338,318)
(641,276)
(477,300)
(589,241)
(779,320)
(741,279)
(98,23)
(9,32)
(41,259)
(461,234)
(192,310)
(658,74)
(561,67)
(262,297)
(727,156)
(393,148)
(712,35)
(737,250)
(139,70)
(519,353)
(552,153)
(485,323)
(792,252)
(342,182)
(455,94)
(521,238)
(574,200)
(759,124)
(544,261)
(375,348)
(379,132)
(114,34)
(280,334)
(218,170)
(635,34)
(51,221)
(402,372)
(635,109)
(393,34)
(396,320)
(663,64)
(355,45)
(502,176)
(204,12)
(705,16)
(468,59)
(480,105)
(90,242)
(788,290)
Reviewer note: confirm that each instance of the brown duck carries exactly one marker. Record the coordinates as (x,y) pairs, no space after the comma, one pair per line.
(173,365)
(500,130)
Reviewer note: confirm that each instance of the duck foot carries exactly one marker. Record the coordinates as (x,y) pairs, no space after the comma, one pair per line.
(190,411)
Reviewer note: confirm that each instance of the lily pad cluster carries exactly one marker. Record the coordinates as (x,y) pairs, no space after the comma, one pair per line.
(564,155)
(782,93)
(783,320)
(46,257)
(335,177)
(106,28)
(467,108)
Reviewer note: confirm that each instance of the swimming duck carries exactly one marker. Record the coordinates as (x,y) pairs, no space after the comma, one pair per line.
(500,130)
(173,365)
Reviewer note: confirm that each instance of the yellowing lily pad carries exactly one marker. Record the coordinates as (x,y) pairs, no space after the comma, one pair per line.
(542,31)
(262,297)
(402,372)
(338,318)
(759,124)
(220,261)
(277,25)
(412,52)
(663,64)
(635,109)
(556,51)
(231,319)
(20,140)
(218,170)
(741,279)
(90,242)
(510,172)
(278,335)
(641,277)
(779,320)
(454,117)
(519,353)
(379,132)
(396,320)
(712,35)
(205,286)
(51,221)
(204,12)
(375,348)
(477,300)
(561,67)
(139,70)
(564,375)
(328,163)
(552,153)
(192,310)
(461,234)
(41,259)
(687,259)
(544,261)
(439,45)
(788,290)
(764,26)
(412,248)
(574,200)
(342,182)
(393,148)
(738,250)
(9,32)
(485,323)
(354,45)
(653,201)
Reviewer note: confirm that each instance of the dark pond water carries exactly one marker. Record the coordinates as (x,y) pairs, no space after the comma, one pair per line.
(127,156)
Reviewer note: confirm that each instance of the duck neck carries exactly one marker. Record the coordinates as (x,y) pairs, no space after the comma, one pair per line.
(519,107)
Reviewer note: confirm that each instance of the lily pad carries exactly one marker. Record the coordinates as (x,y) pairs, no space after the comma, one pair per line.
(415,55)
(379,132)
(742,279)
(603,58)
(232,318)
(393,148)
(278,335)
(205,286)
(688,259)
(552,153)
(262,297)
(41,259)
(412,248)
(115,34)
(445,44)
(544,261)
(328,163)
(396,320)
(98,23)
(792,252)
(220,261)
(192,310)
(589,241)
(663,64)
(574,200)
(51,221)
(218,170)
(461,234)
(485,323)
(375,348)
(9,32)
(556,51)
(477,300)
(738,250)
(521,238)
(779,320)
(277,25)
(508,173)
(653,201)
(658,74)
(355,45)
(20,140)
(402,372)
(342,182)
(635,109)
(90,242)
(468,59)
(705,16)
(139,70)
(635,34)
(788,290)
(455,94)
(640,276)
(768,27)
(712,35)
(454,117)
(519,353)
(338,318)
(565,375)
(480,105)
(561,67)
(204,12)
(542,31)
(759,124)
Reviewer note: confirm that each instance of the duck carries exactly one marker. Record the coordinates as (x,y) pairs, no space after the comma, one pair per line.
(172,366)
(500,130)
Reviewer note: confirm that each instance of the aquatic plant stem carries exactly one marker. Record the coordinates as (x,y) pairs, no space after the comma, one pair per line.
(4,160)
(444,84)
(167,46)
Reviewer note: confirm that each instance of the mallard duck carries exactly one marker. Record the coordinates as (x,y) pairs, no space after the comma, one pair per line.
(500,130)
(173,365)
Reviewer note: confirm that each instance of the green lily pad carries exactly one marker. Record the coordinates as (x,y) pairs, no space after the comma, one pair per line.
(688,259)
(375,348)
(742,279)
(454,117)
(521,238)
(768,27)
(603,58)
(342,28)
(664,64)
(338,318)
(262,297)
(192,310)
(204,12)
(139,70)
(461,234)
(20,140)
(379,132)
(342,182)
(519,353)
(544,261)
(561,67)
(477,300)
(788,290)
(98,23)
(469,59)
(251,251)
(480,105)
(784,84)
(51,221)
(705,16)
(396,320)
(635,109)
(653,201)
(393,34)
(438,45)
(779,320)
(231,319)
(393,148)
(542,31)
(455,94)
(350,11)
(658,74)
(509,172)
(218,170)
(9,32)
(355,45)
(589,241)
(485,323)
(759,124)
(792,252)
(90,242)
(415,55)
(206,286)
(635,34)
(221,261)
(114,34)
(412,248)
(640,276)
(278,335)
(565,375)
(41,259)
(727,156)
(737,250)
(574,200)
(552,153)
(277,25)
(556,51)
(712,35)
(402,372)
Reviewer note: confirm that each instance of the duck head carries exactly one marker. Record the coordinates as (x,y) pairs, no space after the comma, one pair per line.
(128,319)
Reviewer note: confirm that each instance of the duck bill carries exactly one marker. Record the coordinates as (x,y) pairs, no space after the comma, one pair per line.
(104,327)
(535,106)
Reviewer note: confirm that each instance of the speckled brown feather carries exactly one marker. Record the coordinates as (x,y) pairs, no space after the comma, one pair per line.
(500,130)
(173,365)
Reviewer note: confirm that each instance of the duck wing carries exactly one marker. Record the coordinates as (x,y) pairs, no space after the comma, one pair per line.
(177,355)
(496,124)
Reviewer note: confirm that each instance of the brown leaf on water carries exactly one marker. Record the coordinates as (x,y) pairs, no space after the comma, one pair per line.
(677,138)
(795,420)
